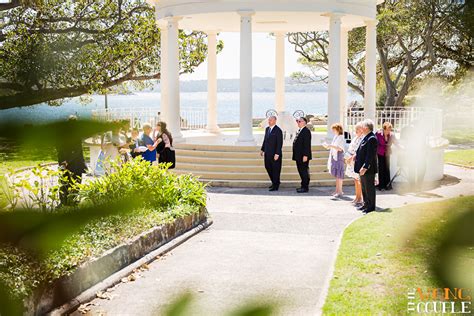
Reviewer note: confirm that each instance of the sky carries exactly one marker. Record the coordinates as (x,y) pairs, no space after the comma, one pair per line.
(263,58)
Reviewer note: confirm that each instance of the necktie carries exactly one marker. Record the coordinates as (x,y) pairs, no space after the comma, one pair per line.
(296,136)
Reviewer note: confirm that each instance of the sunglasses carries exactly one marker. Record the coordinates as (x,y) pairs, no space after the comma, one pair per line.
(299,121)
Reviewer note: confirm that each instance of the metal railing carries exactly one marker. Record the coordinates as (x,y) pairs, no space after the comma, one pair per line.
(431,119)
(191,118)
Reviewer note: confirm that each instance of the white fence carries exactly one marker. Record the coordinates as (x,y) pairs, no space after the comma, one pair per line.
(429,118)
(191,118)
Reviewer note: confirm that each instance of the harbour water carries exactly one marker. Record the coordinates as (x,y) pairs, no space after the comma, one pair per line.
(228,105)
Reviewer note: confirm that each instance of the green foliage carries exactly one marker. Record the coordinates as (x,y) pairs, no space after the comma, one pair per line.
(159,187)
(37,188)
(58,49)
(414,39)
(181,306)
(38,247)
(146,196)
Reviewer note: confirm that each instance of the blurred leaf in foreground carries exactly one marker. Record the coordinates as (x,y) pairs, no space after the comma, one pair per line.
(40,232)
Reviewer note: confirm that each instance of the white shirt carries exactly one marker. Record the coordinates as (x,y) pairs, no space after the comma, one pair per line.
(337,141)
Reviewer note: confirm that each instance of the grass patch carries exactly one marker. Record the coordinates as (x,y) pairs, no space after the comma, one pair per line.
(460,135)
(385,254)
(463,157)
(320,128)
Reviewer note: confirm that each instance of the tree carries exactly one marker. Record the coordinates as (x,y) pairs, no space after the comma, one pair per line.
(50,50)
(414,39)
(314,49)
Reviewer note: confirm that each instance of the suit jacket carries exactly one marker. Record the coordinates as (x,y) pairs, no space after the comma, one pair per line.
(71,152)
(273,141)
(302,145)
(366,155)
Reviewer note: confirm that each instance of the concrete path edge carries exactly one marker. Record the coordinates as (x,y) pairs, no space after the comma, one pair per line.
(116,277)
(330,274)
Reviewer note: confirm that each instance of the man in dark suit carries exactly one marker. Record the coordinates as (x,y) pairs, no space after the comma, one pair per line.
(366,166)
(271,150)
(302,153)
(71,161)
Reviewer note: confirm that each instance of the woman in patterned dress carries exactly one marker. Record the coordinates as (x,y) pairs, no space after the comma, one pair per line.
(350,158)
(336,158)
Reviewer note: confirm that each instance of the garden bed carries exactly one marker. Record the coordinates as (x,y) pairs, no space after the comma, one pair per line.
(60,291)
(173,205)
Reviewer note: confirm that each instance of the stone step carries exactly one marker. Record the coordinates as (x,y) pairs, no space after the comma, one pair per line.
(236,154)
(234,148)
(216,175)
(254,168)
(255,161)
(266,183)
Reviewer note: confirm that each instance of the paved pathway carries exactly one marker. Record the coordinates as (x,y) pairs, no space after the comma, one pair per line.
(278,246)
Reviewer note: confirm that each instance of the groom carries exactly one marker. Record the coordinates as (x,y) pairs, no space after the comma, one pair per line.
(271,150)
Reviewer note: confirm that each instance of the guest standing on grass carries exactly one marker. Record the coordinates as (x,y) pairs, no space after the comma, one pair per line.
(385,140)
(272,152)
(71,161)
(302,153)
(167,153)
(351,155)
(336,157)
(366,166)
(150,153)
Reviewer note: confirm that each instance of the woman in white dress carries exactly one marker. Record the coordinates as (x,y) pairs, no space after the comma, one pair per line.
(350,158)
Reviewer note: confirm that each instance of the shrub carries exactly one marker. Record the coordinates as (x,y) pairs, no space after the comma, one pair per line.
(155,184)
(167,196)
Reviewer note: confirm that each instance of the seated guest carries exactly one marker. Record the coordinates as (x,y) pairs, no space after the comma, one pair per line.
(167,154)
(147,141)
(385,140)
(135,143)
(366,165)
(336,157)
(351,152)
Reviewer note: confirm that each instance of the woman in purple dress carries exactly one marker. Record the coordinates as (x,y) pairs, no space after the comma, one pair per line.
(385,139)
(336,157)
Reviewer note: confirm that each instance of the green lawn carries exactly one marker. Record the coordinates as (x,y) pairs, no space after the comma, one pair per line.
(463,157)
(384,254)
(459,135)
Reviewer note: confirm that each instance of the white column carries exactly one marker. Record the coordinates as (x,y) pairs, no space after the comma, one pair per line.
(246,133)
(212,82)
(344,72)
(172,71)
(163,74)
(280,72)
(370,69)
(334,85)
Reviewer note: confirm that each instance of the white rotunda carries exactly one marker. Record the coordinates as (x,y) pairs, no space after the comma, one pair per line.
(271,16)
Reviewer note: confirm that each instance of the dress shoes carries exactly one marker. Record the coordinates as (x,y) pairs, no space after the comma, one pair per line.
(270,187)
(362,208)
(367,211)
(273,188)
(302,190)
